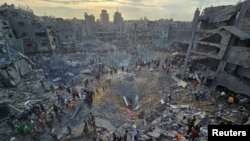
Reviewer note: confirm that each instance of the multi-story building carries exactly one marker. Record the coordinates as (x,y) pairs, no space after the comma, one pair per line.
(156,33)
(222,35)
(118,25)
(13,64)
(118,19)
(104,19)
(104,28)
(26,26)
(90,25)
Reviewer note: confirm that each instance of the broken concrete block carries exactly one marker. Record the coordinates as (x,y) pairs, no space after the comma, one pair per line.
(64,130)
(184,106)
(180,82)
(173,106)
(13,139)
(197,77)
(137,107)
(156,121)
(76,112)
(155,133)
(104,124)
(162,102)
(179,106)
(59,136)
(22,66)
(57,79)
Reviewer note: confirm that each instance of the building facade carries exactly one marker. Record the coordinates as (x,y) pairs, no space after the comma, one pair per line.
(222,36)
(90,25)
(104,19)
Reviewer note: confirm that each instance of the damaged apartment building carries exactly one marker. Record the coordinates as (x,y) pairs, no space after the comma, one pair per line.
(221,36)
(26,26)
(21,34)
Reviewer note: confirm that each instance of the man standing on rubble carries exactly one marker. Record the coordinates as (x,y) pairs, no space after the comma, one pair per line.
(69,130)
(136,136)
(125,136)
(52,89)
(68,89)
(55,108)
(194,134)
(86,82)
(85,128)
(90,95)
(42,83)
(84,97)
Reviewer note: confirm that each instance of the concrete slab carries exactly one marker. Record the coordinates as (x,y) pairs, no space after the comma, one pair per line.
(104,124)
(155,133)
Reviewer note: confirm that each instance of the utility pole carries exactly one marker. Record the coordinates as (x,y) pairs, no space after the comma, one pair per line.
(193,29)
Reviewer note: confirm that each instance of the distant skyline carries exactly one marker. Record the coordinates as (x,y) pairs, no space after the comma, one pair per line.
(131,9)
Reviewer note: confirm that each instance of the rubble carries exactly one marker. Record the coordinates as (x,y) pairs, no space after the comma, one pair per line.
(101,89)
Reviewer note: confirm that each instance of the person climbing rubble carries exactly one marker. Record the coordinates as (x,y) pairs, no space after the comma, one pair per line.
(125,136)
(42,83)
(42,108)
(86,82)
(41,123)
(84,96)
(26,130)
(114,136)
(197,96)
(136,136)
(89,98)
(58,97)
(194,135)
(52,88)
(75,94)
(69,129)
(85,128)
(68,89)
(57,109)
(66,102)
(184,120)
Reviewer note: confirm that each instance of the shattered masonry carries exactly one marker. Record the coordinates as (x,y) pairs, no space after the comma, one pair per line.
(140,75)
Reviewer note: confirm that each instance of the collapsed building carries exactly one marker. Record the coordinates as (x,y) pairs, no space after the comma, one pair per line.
(34,36)
(131,90)
(13,64)
(22,33)
(221,38)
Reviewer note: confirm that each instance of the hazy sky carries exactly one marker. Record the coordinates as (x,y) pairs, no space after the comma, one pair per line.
(130,9)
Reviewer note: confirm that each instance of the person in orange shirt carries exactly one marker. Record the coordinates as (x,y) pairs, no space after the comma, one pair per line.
(179,136)
(230,100)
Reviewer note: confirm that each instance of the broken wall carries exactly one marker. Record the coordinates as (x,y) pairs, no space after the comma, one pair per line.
(233,83)
(11,74)
(184,35)
(245,72)
(16,44)
(240,56)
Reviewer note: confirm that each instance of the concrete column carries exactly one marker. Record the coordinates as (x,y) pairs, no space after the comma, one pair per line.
(194,26)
